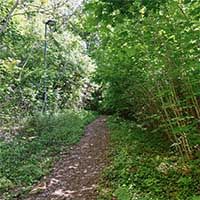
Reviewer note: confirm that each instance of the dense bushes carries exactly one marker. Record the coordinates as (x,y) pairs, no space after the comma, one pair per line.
(22,70)
(148,64)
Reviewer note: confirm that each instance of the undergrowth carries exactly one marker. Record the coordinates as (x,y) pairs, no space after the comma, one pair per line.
(31,155)
(143,168)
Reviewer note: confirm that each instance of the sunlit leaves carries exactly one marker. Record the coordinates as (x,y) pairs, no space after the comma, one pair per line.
(151,59)
(22,68)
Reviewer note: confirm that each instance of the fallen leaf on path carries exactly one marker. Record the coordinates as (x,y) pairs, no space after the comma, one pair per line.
(39,188)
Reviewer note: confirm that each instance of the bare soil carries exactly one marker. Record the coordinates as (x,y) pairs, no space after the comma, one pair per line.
(76,175)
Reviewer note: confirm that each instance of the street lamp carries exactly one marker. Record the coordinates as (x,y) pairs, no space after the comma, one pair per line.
(50,23)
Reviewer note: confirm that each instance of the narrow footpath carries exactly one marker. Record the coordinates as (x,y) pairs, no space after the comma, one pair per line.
(76,175)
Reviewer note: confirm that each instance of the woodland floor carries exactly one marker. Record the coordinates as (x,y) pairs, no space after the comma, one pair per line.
(75,176)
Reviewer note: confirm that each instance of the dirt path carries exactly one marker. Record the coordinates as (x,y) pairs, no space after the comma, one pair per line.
(76,175)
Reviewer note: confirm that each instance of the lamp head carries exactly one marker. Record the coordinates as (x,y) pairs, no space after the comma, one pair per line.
(51,22)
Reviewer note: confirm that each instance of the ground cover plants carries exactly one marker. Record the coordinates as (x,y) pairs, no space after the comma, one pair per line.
(143,167)
(31,155)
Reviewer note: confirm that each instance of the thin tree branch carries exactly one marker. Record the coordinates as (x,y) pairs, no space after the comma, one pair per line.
(27,59)
(182,11)
(9,16)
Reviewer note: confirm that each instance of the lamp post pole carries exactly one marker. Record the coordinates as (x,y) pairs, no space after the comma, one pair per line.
(45,71)
(49,23)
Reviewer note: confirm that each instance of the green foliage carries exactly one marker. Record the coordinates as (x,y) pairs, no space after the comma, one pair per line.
(148,64)
(142,167)
(5,183)
(22,71)
(122,194)
(29,156)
